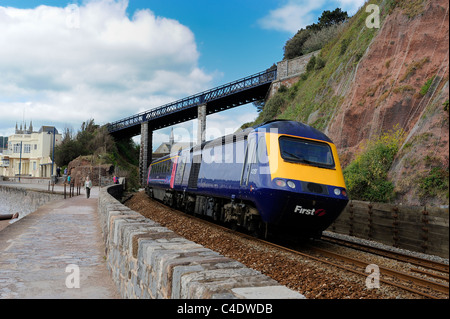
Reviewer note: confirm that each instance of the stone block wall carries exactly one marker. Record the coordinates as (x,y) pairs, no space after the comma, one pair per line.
(294,67)
(289,71)
(150,261)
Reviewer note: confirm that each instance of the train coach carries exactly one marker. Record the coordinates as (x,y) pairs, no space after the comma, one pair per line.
(279,177)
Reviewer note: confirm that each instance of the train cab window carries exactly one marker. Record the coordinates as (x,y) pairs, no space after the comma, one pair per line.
(306,152)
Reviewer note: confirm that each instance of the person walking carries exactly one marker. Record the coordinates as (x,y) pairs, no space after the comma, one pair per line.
(88,186)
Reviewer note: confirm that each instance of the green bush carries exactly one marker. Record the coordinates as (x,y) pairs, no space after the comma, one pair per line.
(294,46)
(367,176)
(318,39)
(311,64)
(433,183)
(273,107)
(320,63)
(344,46)
(426,87)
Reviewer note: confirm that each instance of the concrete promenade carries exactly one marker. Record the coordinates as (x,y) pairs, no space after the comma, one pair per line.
(51,252)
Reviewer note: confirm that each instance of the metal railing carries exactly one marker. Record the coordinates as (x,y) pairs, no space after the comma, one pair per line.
(228,89)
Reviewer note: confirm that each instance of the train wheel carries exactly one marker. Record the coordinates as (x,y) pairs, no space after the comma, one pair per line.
(258,229)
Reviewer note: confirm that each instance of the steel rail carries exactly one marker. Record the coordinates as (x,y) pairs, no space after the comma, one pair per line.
(434,265)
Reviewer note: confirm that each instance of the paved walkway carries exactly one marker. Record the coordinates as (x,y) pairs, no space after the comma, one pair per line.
(49,252)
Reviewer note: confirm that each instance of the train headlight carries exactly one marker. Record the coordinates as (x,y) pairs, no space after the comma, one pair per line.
(291,184)
(337,191)
(280,182)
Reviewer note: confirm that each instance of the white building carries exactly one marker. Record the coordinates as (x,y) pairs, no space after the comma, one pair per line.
(30,153)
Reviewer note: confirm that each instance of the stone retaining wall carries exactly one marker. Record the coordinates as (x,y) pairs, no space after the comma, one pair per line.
(289,71)
(150,261)
(416,228)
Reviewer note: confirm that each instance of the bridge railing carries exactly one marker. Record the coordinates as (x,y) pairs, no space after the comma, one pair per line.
(246,83)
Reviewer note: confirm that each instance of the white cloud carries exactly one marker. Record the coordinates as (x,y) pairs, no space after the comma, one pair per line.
(297,14)
(71,64)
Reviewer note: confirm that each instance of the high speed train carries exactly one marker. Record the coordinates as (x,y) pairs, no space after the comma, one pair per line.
(281,176)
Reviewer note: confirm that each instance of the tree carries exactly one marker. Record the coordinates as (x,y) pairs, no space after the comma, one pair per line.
(295,46)
(89,140)
(330,18)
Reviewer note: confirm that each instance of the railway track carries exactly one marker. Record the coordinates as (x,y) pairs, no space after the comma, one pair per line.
(421,277)
(429,288)
(417,261)
(402,280)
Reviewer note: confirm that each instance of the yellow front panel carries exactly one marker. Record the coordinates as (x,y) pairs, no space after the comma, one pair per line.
(279,168)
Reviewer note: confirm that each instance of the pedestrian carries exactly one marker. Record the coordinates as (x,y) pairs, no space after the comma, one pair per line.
(88,186)
(69,178)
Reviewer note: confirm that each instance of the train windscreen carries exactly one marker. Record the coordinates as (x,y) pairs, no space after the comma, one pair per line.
(306,152)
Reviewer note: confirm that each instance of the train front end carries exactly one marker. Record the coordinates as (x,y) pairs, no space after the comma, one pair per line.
(305,192)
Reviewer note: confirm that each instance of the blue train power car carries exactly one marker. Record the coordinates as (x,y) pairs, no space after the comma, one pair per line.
(281,176)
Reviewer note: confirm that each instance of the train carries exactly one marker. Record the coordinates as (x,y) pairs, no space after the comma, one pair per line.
(280,177)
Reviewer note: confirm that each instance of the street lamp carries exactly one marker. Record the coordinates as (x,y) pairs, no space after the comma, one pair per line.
(20,161)
(53,150)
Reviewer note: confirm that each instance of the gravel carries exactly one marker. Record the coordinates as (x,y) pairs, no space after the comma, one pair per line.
(313,279)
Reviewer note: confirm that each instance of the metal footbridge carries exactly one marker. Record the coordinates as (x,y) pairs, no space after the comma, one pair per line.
(239,92)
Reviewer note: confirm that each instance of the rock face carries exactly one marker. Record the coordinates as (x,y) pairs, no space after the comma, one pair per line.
(82,167)
(402,81)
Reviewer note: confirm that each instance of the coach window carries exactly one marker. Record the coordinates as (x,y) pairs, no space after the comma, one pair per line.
(262,157)
(249,160)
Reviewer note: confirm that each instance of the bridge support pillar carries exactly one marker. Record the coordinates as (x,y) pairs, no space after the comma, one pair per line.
(201,123)
(145,156)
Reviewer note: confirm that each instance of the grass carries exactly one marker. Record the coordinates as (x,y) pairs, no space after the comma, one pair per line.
(413,67)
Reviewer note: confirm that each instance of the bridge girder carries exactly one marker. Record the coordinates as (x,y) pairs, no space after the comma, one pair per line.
(243,91)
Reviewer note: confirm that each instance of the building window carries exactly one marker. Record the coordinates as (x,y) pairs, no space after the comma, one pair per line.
(17,148)
(27,148)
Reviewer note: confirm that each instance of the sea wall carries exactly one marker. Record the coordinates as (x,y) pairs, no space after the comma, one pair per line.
(150,261)
(22,200)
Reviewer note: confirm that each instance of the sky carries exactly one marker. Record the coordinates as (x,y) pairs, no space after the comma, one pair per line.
(65,62)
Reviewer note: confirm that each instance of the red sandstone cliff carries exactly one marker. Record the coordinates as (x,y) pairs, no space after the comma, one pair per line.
(389,89)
